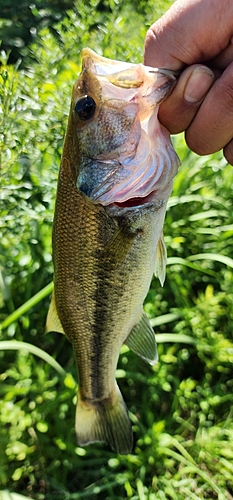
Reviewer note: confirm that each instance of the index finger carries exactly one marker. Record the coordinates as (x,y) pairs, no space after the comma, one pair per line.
(191,31)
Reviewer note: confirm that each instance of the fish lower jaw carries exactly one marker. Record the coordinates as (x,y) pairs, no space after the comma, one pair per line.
(137,201)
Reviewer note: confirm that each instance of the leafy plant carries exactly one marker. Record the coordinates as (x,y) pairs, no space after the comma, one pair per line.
(181,409)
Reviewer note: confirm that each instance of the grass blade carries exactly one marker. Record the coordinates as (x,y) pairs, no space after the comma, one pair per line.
(8,495)
(192,468)
(184,262)
(213,256)
(140,489)
(27,305)
(164,318)
(207,214)
(18,346)
(175,338)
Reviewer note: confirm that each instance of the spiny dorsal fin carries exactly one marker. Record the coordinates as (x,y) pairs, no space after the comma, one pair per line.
(141,340)
(161,260)
(53,323)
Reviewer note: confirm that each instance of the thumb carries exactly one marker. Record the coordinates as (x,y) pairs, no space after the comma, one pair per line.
(179,109)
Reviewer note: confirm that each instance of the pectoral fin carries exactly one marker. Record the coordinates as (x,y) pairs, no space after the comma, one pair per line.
(118,246)
(141,340)
(53,323)
(161,260)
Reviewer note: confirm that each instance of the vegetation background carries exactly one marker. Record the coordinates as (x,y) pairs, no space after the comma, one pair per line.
(181,408)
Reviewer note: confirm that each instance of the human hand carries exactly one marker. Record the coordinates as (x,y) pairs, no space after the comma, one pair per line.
(197,35)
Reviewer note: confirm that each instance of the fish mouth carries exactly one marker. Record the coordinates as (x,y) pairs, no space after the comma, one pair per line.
(135,202)
(139,169)
(144,178)
(122,74)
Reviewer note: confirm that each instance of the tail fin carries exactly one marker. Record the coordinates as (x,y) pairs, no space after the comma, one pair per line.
(106,421)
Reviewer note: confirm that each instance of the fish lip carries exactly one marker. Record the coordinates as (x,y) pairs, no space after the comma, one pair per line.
(148,204)
(105,67)
(136,202)
(171,73)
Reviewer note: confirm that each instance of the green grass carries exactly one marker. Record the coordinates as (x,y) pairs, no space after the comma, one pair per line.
(181,408)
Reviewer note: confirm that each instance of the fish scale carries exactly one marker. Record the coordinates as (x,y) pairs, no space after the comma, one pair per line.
(81,256)
(105,252)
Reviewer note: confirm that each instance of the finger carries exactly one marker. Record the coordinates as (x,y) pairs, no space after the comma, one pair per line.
(212,126)
(228,152)
(178,110)
(182,36)
(224,58)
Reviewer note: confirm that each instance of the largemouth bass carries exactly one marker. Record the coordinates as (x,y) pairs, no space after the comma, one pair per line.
(114,182)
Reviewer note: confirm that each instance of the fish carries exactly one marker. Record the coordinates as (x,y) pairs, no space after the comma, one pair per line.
(115,178)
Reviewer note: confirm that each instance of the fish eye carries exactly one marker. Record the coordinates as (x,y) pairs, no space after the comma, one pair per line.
(85,107)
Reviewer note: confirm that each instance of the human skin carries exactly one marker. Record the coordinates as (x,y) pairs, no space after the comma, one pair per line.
(196,36)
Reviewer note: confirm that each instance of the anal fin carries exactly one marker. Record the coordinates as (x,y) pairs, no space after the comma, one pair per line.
(141,340)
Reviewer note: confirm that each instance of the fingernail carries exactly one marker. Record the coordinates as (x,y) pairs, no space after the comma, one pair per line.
(198,84)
